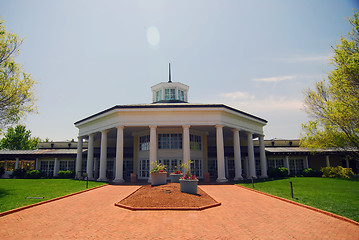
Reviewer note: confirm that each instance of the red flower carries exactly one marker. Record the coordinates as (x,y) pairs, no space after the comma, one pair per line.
(161,170)
(193,177)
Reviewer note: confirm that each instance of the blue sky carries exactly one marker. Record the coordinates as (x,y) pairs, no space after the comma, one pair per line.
(257,56)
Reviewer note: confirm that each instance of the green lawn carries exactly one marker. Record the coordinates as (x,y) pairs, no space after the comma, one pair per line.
(333,195)
(13,192)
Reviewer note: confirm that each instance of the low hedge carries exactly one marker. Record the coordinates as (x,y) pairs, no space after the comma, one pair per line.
(65,174)
(18,173)
(310,172)
(280,172)
(33,174)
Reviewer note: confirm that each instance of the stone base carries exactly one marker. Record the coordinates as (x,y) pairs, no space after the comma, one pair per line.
(118,180)
(238,178)
(102,180)
(222,180)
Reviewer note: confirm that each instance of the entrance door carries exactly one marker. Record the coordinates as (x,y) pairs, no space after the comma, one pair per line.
(171,164)
(144,168)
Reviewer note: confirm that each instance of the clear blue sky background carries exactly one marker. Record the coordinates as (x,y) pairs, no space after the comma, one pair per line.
(257,56)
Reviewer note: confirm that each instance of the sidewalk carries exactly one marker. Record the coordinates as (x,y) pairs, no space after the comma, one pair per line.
(244,214)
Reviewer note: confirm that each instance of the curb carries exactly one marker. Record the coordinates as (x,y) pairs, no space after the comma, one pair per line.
(118,204)
(47,201)
(303,205)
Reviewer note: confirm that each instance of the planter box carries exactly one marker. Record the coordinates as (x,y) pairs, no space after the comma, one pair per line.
(175,177)
(188,186)
(158,178)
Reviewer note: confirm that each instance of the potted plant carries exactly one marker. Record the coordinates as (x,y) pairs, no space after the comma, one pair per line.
(189,181)
(158,174)
(176,175)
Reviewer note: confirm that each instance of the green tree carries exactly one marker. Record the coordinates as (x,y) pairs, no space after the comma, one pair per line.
(19,138)
(334,102)
(16,87)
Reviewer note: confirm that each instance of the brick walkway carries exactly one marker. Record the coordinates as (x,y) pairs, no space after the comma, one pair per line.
(244,214)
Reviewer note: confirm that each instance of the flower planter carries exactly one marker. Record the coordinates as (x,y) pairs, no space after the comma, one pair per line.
(175,177)
(189,186)
(158,178)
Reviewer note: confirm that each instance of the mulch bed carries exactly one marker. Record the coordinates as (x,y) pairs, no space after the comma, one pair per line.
(167,197)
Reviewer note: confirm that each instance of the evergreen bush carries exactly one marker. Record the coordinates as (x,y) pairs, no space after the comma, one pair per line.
(2,171)
(310,172)
(65,174)
(18,173)
(33,174)
(280,172)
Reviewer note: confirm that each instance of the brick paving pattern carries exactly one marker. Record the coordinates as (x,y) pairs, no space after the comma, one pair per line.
(244,214)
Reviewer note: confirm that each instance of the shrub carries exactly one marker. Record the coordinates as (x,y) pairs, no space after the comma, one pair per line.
(33,174)
(18,173)
(2,171)
(337,172)
(278,172)
(65,174)
(309,172)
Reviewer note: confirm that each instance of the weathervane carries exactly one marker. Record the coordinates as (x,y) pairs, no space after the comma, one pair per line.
(169,73)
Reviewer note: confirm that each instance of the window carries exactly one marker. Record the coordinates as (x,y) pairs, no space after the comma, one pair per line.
(47,168)
(170,94)
(67,165)
(176,141)
(180,95)
(28,164)
(275,163)
(195,142)
(170,141)
(163,141)
(196,167)
(158,95)
(10,165)
(296,166)
(145,143)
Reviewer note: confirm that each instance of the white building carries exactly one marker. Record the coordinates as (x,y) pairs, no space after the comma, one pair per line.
(126,139)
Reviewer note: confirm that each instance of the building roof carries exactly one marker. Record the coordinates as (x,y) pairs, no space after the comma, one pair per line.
(172,106)
(39,152)
(304,151)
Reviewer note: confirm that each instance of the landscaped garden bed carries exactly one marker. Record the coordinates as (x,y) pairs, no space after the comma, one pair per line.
(167,197)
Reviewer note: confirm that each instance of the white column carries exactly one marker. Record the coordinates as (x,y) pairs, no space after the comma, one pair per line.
(251,160)
(327,161)
(89,169)
(153,147)
(56,167)
(347,161)
(79,157)
(17,163)
(103,156)
(119,156)
(37,164)
(95,159)
(186,144)
(237,155)
(176,93)
(306,162)
(286,164)
(220,155)
(263,159)
(246,167)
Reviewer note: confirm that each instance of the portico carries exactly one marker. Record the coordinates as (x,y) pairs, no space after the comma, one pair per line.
(128,138)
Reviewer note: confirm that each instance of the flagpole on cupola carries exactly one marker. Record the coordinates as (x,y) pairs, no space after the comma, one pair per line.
(169,73)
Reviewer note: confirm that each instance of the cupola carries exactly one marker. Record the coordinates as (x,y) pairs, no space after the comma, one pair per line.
(170,92)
